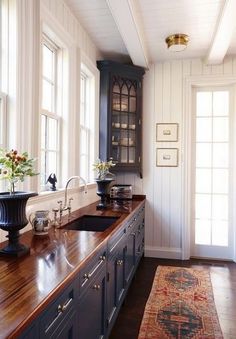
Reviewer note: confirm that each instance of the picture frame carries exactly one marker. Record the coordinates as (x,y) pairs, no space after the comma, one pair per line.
(167,132)
(167,157)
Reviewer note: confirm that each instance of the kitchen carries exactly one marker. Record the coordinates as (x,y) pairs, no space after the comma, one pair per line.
(168,94)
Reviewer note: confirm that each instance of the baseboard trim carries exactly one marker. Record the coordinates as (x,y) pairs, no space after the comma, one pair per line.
(163,252)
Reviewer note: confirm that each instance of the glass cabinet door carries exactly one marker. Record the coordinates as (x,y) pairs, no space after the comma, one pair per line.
(124,120)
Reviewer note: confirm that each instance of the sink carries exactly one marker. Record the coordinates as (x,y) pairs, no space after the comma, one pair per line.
(92,223)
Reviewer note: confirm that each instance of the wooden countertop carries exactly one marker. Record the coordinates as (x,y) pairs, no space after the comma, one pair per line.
(29,284)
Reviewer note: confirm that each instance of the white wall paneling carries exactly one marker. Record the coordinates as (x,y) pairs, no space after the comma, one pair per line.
(167,98)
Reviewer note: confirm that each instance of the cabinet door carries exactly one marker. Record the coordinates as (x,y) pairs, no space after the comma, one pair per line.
(91,309)
(115,284)
(130,256)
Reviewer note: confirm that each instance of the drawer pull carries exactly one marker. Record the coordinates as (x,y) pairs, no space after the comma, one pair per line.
(102,257)
(96,287)
(119,262)
(61,308)
(86,276)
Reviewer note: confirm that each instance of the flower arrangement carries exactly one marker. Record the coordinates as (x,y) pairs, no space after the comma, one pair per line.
(102,168)
(15,167)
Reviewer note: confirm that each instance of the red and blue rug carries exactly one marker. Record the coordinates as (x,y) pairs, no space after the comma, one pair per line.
(180,305)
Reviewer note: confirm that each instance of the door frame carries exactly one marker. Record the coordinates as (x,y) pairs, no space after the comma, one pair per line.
(187,131)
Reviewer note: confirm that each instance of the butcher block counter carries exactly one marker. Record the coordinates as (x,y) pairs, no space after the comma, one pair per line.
(30,284)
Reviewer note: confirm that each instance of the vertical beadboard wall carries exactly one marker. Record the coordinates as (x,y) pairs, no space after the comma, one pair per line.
(71,25)
(164,102)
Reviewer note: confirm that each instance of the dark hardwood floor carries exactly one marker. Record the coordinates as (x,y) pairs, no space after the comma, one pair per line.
(223,278)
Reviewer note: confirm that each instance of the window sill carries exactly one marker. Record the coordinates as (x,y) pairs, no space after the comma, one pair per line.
(49,195)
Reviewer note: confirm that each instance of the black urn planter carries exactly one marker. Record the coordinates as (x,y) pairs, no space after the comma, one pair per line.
(13,219)
(102,191)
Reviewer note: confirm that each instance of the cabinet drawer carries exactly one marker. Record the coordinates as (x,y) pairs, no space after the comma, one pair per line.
(57,312)
(91,267)
(116,240)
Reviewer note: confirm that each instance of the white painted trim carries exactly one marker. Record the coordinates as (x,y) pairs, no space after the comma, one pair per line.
(163,252)
(3,118)
(50,20)
(223,34)
(124,15)
(189,83)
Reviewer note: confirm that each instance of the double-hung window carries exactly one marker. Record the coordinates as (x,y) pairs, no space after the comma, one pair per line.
(86,123)
(50,113)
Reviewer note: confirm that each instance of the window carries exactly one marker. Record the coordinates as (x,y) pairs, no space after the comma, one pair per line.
(86,124)
(50,115)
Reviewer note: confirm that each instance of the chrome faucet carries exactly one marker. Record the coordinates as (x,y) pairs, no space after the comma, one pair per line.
(65,206)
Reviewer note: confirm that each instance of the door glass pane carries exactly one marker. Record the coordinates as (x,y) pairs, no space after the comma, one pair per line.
(219,233)
(220,207)
(204,104)
(220,129)
(203,206)
(203,155)
(220,155)
(220,103)
(204,129)
(220,181)
(203,181)
(203,232)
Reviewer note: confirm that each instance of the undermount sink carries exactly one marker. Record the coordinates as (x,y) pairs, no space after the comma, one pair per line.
(92,223)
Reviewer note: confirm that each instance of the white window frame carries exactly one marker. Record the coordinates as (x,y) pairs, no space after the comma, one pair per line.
(54,114)
(89,121)
(3,120)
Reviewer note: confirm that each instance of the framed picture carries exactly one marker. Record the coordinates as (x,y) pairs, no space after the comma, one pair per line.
(167,157)
(167,132)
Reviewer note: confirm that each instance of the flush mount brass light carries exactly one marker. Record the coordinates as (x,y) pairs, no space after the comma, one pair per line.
(177,42)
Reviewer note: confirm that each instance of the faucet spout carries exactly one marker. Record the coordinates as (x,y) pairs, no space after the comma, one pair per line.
(67,184)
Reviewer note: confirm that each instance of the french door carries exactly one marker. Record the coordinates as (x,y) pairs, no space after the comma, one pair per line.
(212,233)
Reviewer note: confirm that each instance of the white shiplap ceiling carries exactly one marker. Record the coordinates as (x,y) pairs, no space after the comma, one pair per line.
(136,29)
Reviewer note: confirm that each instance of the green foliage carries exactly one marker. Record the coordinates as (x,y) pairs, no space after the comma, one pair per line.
(14,167)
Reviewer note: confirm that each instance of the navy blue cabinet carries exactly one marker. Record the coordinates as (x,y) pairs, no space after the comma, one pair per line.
(58,321)
(88,307)
(115,275)
(92,297)
(120,131)
(91,308)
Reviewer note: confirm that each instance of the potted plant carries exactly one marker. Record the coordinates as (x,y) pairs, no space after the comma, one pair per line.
(14,167)
(103,180)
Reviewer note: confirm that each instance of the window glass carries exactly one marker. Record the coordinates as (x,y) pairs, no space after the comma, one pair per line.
(86,124)
(50,120)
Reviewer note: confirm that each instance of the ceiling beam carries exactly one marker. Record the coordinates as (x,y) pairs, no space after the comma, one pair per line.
(223,33)
(124,15)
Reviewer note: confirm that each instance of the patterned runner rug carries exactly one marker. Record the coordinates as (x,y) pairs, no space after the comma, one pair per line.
(180,305)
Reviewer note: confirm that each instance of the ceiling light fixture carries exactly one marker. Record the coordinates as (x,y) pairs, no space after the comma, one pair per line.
(177,42)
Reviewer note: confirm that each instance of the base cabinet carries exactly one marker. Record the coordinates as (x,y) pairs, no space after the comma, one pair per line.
(115,277)
(88,307)
(91,309)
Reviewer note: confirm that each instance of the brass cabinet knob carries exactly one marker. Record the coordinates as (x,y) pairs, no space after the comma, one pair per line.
(102,257)
(96,287)
(119,262)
